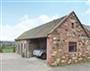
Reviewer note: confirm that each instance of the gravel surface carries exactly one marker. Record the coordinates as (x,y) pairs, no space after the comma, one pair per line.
(14,62)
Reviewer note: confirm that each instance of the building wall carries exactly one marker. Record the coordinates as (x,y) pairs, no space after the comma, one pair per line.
(58,43)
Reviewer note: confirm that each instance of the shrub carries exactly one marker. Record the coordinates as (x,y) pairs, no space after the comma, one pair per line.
(1,50)
(14,49)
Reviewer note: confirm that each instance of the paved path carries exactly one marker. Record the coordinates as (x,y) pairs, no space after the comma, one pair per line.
(13,62)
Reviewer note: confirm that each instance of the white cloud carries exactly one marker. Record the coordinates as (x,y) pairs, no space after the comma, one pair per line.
(88,2)
(10,32)
(88,10)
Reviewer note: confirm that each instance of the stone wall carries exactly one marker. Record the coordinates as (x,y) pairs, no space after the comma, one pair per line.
(23,48)
(58,47)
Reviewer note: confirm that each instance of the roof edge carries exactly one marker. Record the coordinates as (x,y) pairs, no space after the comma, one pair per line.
(65,19)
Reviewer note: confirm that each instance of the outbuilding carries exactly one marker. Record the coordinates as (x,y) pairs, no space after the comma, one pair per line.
(65,39)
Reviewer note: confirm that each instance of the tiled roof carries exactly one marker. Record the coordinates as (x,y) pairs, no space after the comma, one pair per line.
(43,30)
(40,31)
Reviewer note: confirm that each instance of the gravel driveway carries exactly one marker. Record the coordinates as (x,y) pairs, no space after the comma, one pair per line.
(13,62)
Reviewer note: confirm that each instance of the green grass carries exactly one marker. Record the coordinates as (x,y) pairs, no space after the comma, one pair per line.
(8,49)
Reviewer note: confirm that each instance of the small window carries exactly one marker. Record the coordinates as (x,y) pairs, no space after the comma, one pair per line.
(72,46)
(72,25)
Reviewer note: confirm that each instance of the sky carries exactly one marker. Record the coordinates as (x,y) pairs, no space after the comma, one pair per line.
(18,16)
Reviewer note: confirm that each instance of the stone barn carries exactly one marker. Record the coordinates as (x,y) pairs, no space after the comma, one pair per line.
(65,39)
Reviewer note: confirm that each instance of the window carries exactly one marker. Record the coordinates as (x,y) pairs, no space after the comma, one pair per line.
(72,25)
(72,46)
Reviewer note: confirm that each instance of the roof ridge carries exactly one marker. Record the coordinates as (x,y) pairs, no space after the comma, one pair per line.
(44,29)
(54,20)
(41,30)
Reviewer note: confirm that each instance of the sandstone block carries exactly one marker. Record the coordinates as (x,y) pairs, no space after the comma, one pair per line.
(58,60)
(76,61)
(80,59)
(54,64)
(63,57)
(63,61)
(74,58)
(54,53)
(69,61)
(88,57)
(79,54)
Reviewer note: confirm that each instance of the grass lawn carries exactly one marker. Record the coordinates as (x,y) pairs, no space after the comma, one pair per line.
(8,49)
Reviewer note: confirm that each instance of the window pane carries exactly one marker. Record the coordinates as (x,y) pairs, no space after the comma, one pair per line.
(72,46)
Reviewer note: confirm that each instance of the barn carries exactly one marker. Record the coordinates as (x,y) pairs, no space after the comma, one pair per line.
(65,39)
